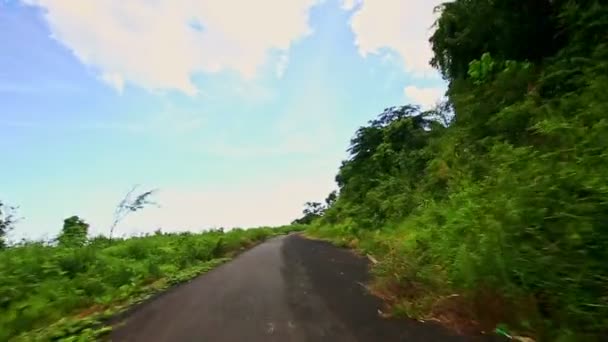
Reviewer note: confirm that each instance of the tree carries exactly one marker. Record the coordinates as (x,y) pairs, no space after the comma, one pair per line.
(7,222)
(507,192)
(331,199)
(74,232)
(509,30)
(130,204)
(312,210)
(387,158)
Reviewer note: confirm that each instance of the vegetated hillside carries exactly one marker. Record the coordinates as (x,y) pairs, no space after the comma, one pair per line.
(67,290)
(499,216)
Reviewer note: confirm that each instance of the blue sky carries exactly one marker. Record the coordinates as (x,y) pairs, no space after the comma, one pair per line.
(238,112)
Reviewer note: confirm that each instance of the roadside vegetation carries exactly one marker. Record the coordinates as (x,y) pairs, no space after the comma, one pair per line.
(491,211)
(68,288)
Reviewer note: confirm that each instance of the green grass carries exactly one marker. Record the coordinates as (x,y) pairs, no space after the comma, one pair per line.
(50,293)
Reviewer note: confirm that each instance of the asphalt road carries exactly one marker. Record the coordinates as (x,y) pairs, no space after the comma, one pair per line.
(286,289)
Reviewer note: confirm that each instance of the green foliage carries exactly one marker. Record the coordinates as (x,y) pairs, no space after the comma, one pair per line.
(480,70)
(315,210)
(74,232)
(382,153)
(511,199)
(65,291)
(312,211)
(508,30)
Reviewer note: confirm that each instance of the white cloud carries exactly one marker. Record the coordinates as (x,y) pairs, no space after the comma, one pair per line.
(401,25)
(281,66)
(350,4)
(115,80)
(425,97)
(160,44)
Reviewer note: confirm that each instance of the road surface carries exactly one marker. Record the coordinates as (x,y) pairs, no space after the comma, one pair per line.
(286,289)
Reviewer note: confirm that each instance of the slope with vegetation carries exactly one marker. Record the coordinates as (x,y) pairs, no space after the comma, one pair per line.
(491,209)
(66,289)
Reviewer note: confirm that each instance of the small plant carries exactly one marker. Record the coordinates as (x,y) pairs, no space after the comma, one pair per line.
(130,204)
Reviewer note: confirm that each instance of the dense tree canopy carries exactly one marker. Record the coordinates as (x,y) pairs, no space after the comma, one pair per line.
(510,30)
(511,197)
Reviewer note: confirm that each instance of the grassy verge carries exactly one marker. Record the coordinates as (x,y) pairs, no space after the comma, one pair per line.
(51,293)
(421,289)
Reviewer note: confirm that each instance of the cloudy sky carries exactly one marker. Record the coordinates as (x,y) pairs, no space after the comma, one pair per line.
(237,111)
